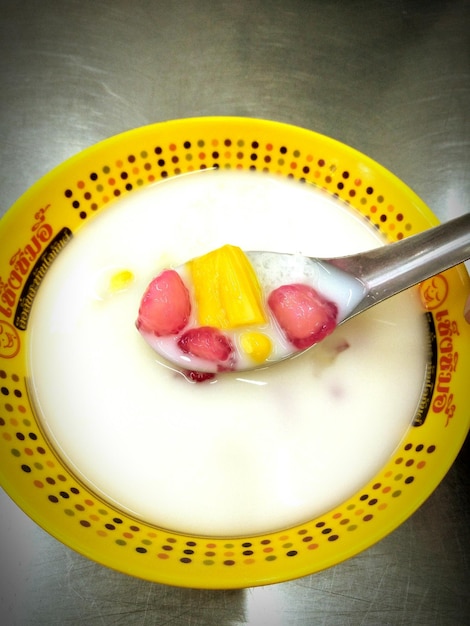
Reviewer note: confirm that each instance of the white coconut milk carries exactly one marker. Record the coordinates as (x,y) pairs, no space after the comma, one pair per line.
(241,454)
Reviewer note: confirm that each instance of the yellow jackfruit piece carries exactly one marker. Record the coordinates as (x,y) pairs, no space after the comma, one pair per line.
(227,291)
(257,346)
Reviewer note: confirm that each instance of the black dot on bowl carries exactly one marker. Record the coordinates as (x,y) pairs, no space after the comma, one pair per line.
(188,551)
(82,215)
(409,480)
(68,193)
(93,176)
(64,494)
(345,175)
(283,150)
(187,145)
(185,559)
(247,552)
(430,449)
(363,497)
(4,391)
(320,524)
(253,156)
(124,175)
(326,531)
(247,545)
(26,469)
(291,553)
(85,523)
(254,145)
(75,490)
(75,204)
(53,499)
(141,550)
(20,436)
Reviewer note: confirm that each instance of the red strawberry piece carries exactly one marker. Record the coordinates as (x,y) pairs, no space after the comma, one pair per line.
(303,314)
(165,306)
(207,343)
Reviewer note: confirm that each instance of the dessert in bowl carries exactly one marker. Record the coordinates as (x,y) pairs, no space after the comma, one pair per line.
(232,481)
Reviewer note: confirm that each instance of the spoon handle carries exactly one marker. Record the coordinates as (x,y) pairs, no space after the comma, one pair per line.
(389,269)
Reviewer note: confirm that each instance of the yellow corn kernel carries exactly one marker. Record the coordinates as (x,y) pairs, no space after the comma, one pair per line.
(120,280)
(257,346)
(227,290)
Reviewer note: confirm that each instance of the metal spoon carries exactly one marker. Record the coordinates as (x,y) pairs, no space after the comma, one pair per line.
(390,269)
(354,283)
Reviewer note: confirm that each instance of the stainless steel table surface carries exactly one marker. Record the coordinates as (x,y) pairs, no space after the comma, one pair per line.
(388,77)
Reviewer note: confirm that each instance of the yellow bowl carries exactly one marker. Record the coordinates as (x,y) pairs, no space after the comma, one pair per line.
(67,199)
